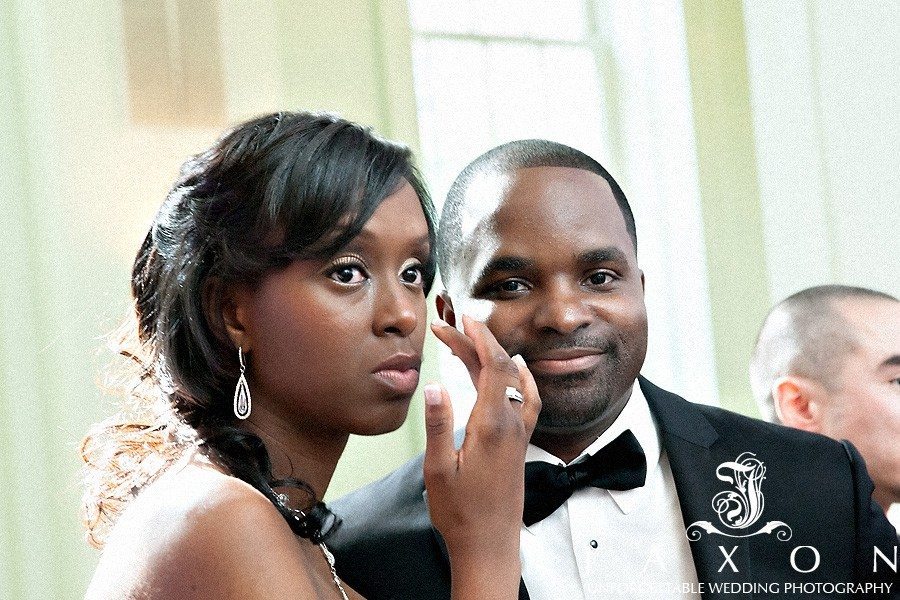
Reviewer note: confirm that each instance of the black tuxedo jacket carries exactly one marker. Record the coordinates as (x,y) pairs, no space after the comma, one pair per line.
(387,547)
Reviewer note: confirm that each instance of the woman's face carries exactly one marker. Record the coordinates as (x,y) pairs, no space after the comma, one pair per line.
(336,345)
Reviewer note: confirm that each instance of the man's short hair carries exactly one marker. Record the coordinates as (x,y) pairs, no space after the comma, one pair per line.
(519,154)
(805,335)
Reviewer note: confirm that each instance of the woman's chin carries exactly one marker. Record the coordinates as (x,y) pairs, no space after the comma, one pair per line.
(386,421)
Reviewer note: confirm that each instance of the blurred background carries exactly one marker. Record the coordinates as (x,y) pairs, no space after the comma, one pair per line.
(757,142)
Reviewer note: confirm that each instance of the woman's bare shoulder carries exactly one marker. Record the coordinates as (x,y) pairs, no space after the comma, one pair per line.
(199,533)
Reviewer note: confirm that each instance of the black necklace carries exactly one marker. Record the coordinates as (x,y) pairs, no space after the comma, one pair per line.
(315,525)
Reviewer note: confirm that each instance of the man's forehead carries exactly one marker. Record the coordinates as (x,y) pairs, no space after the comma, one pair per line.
(490,189)
(483,198)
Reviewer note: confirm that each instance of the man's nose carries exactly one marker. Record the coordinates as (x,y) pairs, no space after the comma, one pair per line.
(563,309)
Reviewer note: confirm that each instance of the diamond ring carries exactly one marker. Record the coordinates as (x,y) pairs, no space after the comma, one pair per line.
(514,394)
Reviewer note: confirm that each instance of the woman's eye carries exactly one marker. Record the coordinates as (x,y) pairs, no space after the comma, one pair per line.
(413,275)
(600,278)
(348,275)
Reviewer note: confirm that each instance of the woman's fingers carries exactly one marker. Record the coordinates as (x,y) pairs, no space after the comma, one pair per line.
(493,372)
(460,345)
(494,425)
(475,495)
(440,454)
(489,351)
(498,371)
(531,408)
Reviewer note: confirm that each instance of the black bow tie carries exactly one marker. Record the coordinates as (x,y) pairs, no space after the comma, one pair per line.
(620,465)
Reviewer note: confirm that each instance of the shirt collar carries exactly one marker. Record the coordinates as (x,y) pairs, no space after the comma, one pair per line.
(635,416)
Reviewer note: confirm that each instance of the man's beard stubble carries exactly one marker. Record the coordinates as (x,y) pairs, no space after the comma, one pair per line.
(571,402)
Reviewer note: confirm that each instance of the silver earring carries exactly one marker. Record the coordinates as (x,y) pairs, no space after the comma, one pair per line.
(241,392)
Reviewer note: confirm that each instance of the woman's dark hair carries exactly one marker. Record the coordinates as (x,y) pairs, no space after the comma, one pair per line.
(277,188)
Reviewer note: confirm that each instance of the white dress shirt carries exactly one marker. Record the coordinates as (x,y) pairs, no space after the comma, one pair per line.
(613,543)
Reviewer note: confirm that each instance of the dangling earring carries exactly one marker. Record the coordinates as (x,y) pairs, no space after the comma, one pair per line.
(241,392)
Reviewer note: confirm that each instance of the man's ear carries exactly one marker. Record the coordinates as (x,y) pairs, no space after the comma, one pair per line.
(643,286)
(799,403)
(445,308)
(225,307)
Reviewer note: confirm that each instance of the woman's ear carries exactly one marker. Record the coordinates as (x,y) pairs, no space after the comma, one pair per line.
(225,307)
(445,308)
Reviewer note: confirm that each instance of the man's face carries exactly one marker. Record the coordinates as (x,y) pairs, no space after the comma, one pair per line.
(552,271)
(865,407)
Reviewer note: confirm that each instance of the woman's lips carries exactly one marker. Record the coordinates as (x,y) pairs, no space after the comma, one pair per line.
(403,381)
(400,372)
(565,363)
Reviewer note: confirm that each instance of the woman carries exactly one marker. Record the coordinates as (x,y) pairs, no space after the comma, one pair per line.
(280,304)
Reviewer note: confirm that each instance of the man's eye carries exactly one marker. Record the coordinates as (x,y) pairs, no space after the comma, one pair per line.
(599,278)
(348,275)
(502,290)
(511,285)
(413,275)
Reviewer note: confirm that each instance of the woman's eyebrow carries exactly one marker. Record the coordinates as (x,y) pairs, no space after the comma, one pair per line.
(420,245)
(423,241)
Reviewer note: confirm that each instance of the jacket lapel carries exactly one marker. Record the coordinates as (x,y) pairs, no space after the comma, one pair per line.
(695,450)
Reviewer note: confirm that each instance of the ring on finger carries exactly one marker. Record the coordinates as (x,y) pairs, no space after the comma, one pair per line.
(514,395)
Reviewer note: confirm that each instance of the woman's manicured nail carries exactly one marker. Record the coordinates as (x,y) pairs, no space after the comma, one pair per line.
(432,393)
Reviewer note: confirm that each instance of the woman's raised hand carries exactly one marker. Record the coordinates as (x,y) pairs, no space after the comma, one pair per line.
(476,493)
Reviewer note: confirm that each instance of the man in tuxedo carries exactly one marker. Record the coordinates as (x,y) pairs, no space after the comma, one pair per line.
(827,360)
(631,491)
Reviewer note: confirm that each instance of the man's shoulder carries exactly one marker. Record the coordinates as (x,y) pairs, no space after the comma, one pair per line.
(797,463)
(731,422)
(806,474)
(386,546)
(396,494)
(738,427)
(815,485)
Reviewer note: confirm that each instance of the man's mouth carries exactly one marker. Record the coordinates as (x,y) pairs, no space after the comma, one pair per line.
(565,361)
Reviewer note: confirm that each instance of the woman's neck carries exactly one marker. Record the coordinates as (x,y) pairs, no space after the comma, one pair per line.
(298,452)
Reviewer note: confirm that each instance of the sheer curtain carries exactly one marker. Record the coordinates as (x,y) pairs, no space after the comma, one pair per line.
(823,85)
